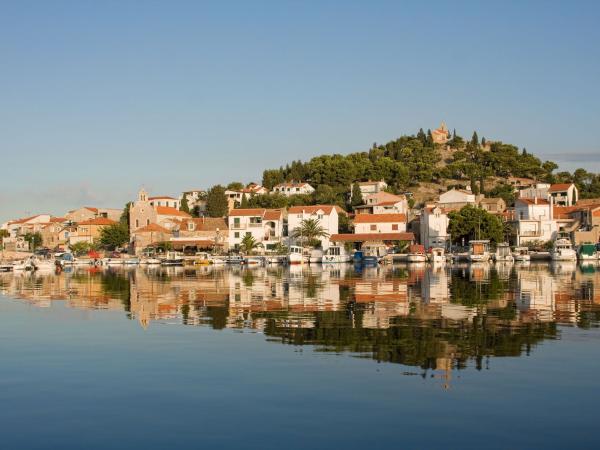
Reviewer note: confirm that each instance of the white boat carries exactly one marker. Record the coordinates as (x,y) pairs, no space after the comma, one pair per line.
(521,254)
(131,261)
(296,255)
(276,259)
(234,259)
(315,256)
(218,260)
(373,253)
(416,254)
(172,259)
(437,255)
(563,251)
(202,259)
(336,254)
(24,266)
(254,261)
(503,253)
(150,261)
(479,251)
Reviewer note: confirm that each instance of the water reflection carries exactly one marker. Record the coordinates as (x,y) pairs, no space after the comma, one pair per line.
(437,318)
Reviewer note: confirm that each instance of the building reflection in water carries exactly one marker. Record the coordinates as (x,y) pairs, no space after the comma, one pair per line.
(436,318)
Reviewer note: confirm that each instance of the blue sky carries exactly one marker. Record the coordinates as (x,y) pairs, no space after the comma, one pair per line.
(99,98)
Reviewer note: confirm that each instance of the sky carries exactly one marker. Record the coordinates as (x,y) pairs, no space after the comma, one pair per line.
(100,98)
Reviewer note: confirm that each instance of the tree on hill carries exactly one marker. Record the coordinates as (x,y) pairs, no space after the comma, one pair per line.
(474,223)
(356,198)
(235,186)
(216,202)
(124,219)
(244,202)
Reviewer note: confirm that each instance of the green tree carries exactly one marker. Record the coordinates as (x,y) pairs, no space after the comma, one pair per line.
(113,236)
(184,204)
(34,240)
(81,248)
(249,244)
(124,219)
(235,186)
(309,232)
(216,202)
(326,195)
(244,203)
(356,198)
(344,223)
(475,223)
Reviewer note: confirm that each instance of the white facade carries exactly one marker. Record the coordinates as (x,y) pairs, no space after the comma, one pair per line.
(165,201)
(383,203)
(292,188)
(265,225)
(565,194)
(457,196)
(535,220)
(371,187)
(434,227)
(326,215)
(379,223)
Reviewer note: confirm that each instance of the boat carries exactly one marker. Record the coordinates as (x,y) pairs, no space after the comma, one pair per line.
(202,259)
(437,255)
(336,254)
(296,255)
(562,250)
(172,259)
(254,261)
(373,253)
(479,251)
(503,253)
(234,259)
(131,261)
(112,262)
(587,252)
(315,256)
(521,254)
(150,261)
(416,254)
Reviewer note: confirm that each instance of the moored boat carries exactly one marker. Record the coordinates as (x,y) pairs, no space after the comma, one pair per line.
(296,255)
(503,253)
(562,250)
(416,254)
(479,251)
(521,254)
(172,259)
(587,252)
(336,254)
(437,255)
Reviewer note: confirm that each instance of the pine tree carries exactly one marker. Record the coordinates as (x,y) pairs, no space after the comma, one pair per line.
(356,197)
(244,203)
(483,141)
(421,136)
(216,202)
(475,139)
(184,204)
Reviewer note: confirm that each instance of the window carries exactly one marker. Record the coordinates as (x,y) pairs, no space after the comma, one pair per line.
(236,234)
(137,223)
(395,226)
(236,222)
(320,216)
(373,227)
(147,221)
(191,226)
(297,189)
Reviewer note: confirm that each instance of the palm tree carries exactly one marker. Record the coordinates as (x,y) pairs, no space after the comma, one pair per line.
(248,244)
(309,232)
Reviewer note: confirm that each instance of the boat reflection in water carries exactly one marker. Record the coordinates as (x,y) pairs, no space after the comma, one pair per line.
(438,318)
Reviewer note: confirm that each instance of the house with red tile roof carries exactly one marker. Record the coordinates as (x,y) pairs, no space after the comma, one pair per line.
(267,226)
(563,194)
(293,188)
(326,215)
(379,223)
(383,203)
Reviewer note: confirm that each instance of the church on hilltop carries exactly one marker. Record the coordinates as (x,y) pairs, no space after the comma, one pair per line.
(441,134)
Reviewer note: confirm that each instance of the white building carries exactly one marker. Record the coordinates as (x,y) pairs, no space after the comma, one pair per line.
(534,220)
(235,197)
(26,225)
(371,187)
(434,227)
(457,198)
(165,200)
(379,223)
(326,215)
(265,225)
(562,194)
(195,198)
(383,203)
(292,188)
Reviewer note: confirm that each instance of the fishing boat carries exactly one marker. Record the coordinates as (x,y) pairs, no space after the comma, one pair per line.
(503,253)
(336,254)
(172,259)
(373,253)
(202,259)
(521,254)
(437,255)
(562,250)
(479,251)
(416,254)
(587,252)
(296,255)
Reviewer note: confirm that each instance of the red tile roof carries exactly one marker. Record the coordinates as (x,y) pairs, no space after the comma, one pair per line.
(98,221)
(563,212)
(560,187)
(247,212)
(363,237)
(91,208)
(170,211)
(162,197)
(205,223)
(380,218)
(533,201)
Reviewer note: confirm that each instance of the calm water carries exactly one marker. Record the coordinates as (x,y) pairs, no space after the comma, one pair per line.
(391,357)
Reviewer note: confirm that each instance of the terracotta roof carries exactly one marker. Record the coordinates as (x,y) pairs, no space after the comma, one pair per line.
(247,212)
(311,209)
(563,212)
(57,219)
(363,237)
(91,208)
(26,219)
(388,203)
(98,221)
(533,201)
(152,228)
(379,218)
(170,211)
(273,214)
(162,197)
(560,187)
